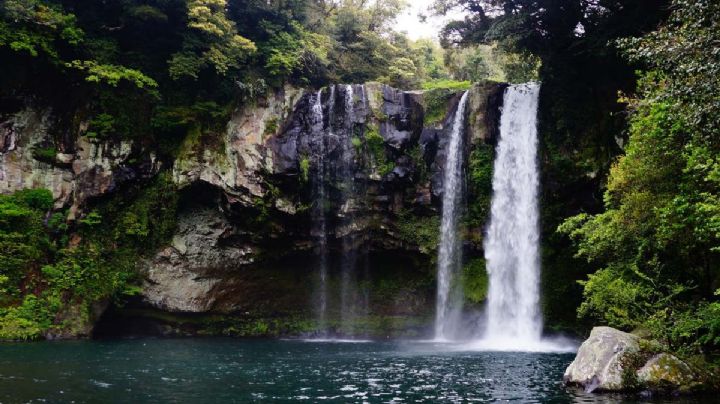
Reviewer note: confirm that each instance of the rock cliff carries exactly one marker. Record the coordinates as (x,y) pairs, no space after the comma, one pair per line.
(245,246)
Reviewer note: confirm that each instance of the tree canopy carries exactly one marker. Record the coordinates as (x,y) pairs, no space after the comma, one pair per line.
(658,240)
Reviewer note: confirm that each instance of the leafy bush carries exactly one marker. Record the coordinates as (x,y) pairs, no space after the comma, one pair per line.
(446,84)
(101,126)
(24,243)
(480,173)
(44,154)
(436,102)
(475,280)
(420,231)
(376,146)
(305,169)
(41,275)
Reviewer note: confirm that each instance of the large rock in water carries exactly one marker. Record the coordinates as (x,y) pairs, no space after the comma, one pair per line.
(603,359)
(599,361)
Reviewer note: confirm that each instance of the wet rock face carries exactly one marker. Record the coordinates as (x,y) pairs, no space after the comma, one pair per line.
(486,103)
(275,155)
(405,115)
(31,158)
(285,146)
(378,160)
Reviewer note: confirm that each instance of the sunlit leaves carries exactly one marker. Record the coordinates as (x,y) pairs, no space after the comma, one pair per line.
(212,41)
(111,74)
(36,27)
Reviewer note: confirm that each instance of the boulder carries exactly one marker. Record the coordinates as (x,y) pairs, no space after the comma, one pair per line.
(599,361)
(665,371)
(602,360)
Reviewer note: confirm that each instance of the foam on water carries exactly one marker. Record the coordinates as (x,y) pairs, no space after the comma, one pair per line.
(337,340)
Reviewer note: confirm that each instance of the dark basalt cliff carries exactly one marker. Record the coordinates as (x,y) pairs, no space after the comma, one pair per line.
(243,258)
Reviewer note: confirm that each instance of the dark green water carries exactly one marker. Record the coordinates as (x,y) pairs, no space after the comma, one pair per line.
(227,370)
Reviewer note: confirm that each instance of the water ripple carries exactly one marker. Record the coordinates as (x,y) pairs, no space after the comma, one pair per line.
(226,370)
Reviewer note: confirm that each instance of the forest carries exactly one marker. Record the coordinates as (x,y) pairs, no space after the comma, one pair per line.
(628,147)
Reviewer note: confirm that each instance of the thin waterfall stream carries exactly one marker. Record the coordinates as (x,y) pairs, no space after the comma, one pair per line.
(339,306)
(449,260)
(319,219)
(348,261)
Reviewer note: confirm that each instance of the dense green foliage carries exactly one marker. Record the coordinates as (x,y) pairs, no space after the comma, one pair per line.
(479,184)
(419,231)
(475,281)
(51,274)
(658,242)
(178,65)
(376,146)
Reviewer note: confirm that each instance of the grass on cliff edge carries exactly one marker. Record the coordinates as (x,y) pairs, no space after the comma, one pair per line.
(446,85)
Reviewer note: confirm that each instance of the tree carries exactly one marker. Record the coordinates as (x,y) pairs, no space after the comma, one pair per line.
(659,236)
(36,27)
(211,41)
(403,74)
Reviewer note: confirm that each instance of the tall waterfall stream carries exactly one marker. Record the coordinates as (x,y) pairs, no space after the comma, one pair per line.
(511,243)
(318,213)
(447,311)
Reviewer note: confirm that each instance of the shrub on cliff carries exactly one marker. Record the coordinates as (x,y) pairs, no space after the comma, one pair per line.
(52,273)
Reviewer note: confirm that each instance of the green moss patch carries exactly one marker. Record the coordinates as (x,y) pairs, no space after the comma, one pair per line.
(475,280)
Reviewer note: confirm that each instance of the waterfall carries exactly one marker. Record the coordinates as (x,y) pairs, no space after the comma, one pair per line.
(332,176)
(318,213)
(354,298)
(511,243)
(349,259)
(449,250)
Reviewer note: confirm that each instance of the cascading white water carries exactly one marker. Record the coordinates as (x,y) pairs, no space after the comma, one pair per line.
(320,223)
(449,249)
(511,243)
